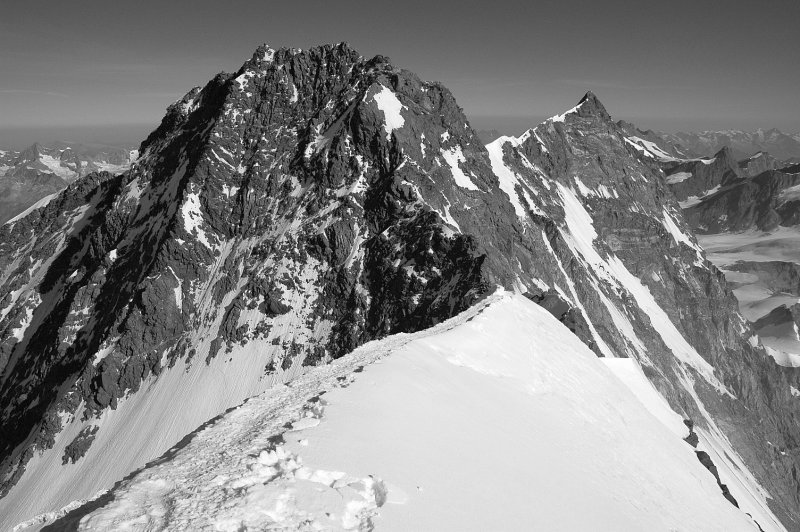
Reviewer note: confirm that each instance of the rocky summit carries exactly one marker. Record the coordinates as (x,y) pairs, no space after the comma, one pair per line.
(315,200)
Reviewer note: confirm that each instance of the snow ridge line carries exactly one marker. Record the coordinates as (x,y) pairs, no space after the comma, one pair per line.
(249,435)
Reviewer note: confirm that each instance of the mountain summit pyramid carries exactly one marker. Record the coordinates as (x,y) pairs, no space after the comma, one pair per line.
(312,201)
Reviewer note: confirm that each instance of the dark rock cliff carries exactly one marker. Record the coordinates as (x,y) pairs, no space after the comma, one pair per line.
(764,202)
(696,178)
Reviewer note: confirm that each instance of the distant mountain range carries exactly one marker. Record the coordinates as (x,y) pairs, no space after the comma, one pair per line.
(38,171)
(742,143)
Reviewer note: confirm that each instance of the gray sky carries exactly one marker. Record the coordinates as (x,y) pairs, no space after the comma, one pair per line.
(66,66)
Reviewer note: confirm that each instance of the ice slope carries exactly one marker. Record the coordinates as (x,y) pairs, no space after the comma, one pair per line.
(498,419)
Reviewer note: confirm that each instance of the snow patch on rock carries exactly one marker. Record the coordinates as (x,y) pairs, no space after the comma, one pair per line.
(388,103)
(508,179)
(453,157)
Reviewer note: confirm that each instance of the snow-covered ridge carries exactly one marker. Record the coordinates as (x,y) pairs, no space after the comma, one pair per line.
(38,205)
(328,452)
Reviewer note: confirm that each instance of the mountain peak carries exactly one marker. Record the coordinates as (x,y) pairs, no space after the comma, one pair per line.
(590,105)
(589,97)
(726,154)
(265,54)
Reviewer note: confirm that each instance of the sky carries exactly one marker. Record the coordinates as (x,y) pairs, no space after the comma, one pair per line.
(99,70)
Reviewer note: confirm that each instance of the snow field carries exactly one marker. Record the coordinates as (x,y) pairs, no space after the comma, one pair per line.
(498,419)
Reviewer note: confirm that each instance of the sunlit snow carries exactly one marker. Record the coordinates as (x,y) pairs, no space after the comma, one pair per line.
(453,157)
(508,179)
(499,419)
(388,103)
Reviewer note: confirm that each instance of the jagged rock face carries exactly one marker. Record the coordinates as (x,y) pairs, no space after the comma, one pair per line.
(694,179)
(757,163)
(313,201)
(764,202)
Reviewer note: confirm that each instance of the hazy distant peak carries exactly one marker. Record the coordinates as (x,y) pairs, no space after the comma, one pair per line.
(741,143)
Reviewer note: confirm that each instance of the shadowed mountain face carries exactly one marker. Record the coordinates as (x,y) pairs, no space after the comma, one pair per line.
(313,201)
(693,179)
(38,172)
(759,162)
(764,202)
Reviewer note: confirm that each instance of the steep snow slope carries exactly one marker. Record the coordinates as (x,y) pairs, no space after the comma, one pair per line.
(497,419)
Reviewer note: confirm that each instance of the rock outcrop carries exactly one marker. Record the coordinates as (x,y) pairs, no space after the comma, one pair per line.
(764,202)
(757,163)
(694,179)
